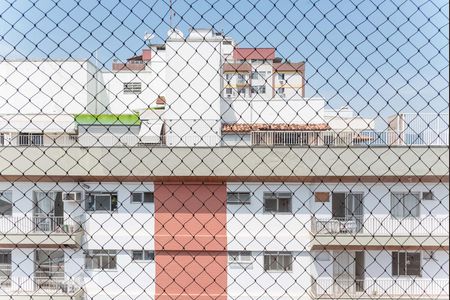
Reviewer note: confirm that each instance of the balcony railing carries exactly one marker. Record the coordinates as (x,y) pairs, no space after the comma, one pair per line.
(346,138)
(257,138)
(39,285)
(380,288)
(381,225)
(38,224)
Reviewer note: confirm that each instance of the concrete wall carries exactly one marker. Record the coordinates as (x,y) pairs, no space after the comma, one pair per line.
(245,162)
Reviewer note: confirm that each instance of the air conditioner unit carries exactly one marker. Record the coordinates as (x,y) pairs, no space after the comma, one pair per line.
(71,196)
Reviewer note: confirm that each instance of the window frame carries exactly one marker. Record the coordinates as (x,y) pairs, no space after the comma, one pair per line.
(398,269)
(281,76)
(92,256)
(268,266)
(398,203)
(239,200)
(143,197)
(259,89)
(6,200)
(132,88)
(113,201)
(277,196)
(143,256)
(235,258)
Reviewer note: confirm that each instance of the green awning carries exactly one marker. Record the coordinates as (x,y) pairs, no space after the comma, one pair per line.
(108,119)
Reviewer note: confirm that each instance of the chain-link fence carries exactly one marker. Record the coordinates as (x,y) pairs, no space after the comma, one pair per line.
(224,149)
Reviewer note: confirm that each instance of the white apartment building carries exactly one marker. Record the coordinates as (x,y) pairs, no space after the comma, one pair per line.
(143,182)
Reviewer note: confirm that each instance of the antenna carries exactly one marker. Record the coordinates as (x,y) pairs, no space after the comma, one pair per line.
(170,14)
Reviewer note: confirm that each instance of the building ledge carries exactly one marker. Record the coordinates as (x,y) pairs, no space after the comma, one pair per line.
(331,164)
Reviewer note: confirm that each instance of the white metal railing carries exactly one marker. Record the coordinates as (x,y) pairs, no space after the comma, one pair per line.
(343,138)
(36,224)
(257,138)
(36,285)
(30,139)
(381,225)
(380,287)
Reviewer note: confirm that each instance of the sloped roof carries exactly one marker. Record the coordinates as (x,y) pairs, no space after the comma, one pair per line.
(254,53)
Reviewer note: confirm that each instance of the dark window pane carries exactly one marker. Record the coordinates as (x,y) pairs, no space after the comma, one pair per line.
(270,205)
(148,197)
(136,197)
(395,263)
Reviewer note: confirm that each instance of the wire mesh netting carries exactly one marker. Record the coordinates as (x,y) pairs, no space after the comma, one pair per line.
(224,149)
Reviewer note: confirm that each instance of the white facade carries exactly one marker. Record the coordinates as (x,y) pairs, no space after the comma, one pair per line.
(130,227)
(50,87)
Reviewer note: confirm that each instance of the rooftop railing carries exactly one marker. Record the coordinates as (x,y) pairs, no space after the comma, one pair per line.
(255,138)
(347,138)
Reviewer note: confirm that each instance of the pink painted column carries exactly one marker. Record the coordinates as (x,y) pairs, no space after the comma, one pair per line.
(190,241)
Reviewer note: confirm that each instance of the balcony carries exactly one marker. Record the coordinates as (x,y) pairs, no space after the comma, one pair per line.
(380,288)
(37,230)
(40,288)
(348,138)
(380,231)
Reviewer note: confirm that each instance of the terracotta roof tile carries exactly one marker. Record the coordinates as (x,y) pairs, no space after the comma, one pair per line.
(288,66)
(254,53)
(161,100)
(281,127)
(237,67)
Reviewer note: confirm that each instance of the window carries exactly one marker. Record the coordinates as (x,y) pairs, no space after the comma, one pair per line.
(240,257)
(26,139)
(2,139)
(101,201)
(277,202)
(132,88)
(406,264)
(427,195)
(5,266)
(255,75)
(242,92)
(242,78)
(278,261)
(238,198)
(101,259)
(142,255)
(142,197)
(257,61)
(228,77)
(5,203)
(259,89)
(280,92)
(281,76)
(323,256)
(404,205)
(229,91)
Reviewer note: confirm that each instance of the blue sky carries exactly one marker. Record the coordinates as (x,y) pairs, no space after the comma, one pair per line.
(376,56)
